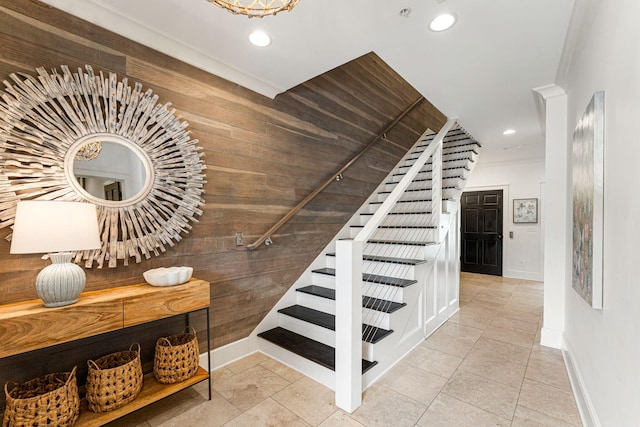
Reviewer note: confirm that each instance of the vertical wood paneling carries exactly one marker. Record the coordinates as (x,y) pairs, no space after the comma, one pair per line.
(262,155)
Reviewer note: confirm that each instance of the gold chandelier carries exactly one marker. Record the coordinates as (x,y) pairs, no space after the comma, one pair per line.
(255,8)
(89,151)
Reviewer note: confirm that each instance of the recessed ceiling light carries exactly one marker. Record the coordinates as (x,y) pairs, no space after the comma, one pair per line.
(260,39)
(443,22)
(509,132)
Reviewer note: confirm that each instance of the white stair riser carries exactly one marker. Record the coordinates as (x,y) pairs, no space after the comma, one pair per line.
(420,206)
(315,302)
(454,182)
(372,351)
(378,318)
(409,220)
(448,205)
(455,162)
(396,294)
(447,171)
(402,219)
(323,280)
(406,234)
(398,251)
(445,156)
(421,175)
(330,261)
(309,330)
(327,336)
(402,271)
(459,149)
(425,185)
(390,293)
(412,195)
(450,193)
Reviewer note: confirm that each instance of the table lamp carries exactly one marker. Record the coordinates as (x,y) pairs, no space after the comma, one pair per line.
(57,228)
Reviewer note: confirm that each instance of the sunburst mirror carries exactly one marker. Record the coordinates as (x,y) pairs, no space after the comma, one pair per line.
(88,137)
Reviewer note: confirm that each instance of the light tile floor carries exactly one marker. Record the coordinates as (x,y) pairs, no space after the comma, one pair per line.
(481,368)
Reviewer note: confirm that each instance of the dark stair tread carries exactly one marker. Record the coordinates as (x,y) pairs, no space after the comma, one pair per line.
(310,315)
(319,291)
(377,304)
(372,335)
(328,321)
(372,278)
(382,305)
(405,261)
(315,351)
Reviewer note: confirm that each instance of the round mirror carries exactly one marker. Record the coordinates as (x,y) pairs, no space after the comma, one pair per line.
(71,136)
(108,170)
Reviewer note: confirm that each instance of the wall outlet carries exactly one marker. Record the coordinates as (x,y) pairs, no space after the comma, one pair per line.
(239,238)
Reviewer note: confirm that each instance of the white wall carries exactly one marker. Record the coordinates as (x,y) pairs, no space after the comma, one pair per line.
(604,345)
(522,254)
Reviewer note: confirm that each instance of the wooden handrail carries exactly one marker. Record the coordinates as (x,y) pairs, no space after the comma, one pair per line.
(333,177)
(380,213)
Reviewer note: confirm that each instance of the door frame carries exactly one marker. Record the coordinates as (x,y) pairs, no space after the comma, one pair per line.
(506,214)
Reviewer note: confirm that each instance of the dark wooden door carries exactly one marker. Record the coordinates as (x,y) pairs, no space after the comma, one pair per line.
(481,234)
(113,191)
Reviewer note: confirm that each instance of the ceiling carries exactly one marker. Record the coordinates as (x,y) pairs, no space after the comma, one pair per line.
(481,71)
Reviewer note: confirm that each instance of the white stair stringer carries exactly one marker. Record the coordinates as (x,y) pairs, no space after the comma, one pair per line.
(415,230)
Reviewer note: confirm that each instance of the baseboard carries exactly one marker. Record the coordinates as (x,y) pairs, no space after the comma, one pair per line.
(523,275)
(587,411)
(229,353)
(551,338)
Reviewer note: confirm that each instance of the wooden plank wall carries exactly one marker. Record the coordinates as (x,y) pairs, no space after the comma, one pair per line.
(262,155)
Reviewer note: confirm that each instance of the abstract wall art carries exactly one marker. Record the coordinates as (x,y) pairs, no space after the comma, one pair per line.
(588,202)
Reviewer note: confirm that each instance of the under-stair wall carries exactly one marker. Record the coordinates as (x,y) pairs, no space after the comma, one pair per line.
(416,291)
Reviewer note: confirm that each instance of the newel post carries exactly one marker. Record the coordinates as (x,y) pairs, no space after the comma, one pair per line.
(348,324)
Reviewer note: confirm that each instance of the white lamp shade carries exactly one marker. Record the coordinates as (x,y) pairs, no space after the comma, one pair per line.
(43,226)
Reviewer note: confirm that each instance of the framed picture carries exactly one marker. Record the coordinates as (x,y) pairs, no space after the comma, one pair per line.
(588,202)
(525,211)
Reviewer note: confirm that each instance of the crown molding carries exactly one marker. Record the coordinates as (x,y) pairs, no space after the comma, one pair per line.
(123,25)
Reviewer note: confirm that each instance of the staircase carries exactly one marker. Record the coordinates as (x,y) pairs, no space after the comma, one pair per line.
(409,270)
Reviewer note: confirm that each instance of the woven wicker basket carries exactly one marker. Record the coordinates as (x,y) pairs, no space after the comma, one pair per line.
(177,357)
(114,380)
(50,400)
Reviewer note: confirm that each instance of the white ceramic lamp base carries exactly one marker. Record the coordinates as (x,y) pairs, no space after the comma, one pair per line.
(61,282)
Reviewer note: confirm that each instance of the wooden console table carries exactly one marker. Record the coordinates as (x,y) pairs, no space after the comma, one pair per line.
(29,325)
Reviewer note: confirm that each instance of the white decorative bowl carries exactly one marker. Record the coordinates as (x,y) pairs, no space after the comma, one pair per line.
(168,276)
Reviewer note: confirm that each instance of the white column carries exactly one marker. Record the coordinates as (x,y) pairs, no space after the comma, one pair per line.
(557,214)
(348,324)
